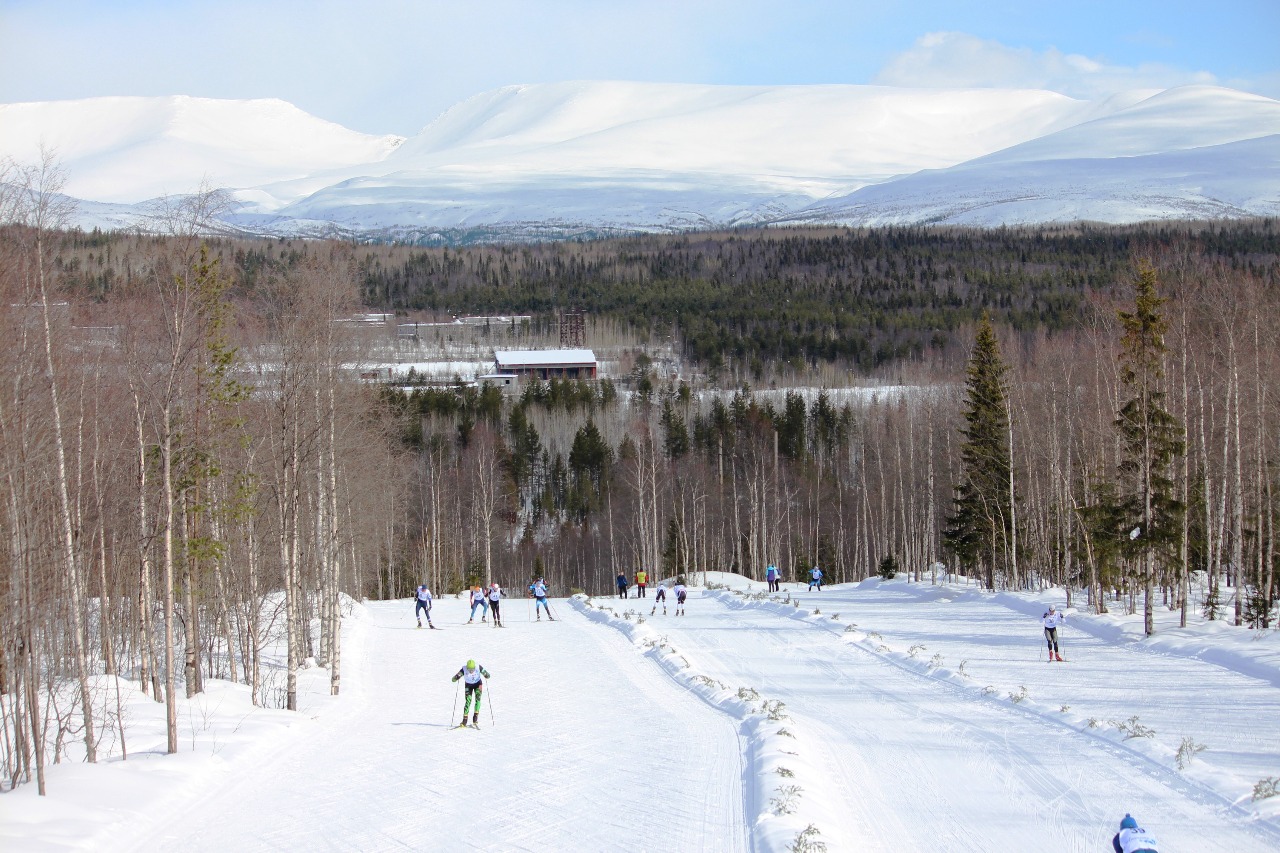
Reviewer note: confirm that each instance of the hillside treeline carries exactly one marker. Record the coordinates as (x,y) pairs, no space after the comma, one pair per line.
(193,473)
(752,301)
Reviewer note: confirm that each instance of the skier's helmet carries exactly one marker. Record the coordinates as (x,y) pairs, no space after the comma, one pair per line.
(471,664)
(1128,823)
(1050,608)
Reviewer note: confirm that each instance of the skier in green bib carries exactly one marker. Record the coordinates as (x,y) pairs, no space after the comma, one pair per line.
(473,676)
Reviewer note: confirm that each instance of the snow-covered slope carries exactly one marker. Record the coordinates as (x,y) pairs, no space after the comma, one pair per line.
(887,716)
(127,149)
(608,155)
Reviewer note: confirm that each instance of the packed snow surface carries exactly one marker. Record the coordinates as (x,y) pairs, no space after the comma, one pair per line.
(873,716)
(562,157)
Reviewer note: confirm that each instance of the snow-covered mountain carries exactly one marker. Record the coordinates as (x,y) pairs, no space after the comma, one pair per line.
(578,157)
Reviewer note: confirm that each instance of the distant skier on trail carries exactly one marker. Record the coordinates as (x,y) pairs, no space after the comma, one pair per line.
(680,592)
(473,675)
(815,579)
(771,575)
(538,589)
(479,598)
(622,584)
(659,597)
(642,581)
(495,597)
(1134,839)
(1051,621)
(423,605)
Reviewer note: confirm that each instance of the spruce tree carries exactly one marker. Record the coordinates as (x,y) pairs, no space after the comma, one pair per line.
(1150,439)
(978,530)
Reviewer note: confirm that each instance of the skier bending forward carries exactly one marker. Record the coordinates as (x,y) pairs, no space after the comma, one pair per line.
(473,675)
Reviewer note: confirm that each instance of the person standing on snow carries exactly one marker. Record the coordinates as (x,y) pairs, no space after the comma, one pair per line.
(423,605)
(1051,621)
(495,596)
(642,580)
(815,579)
(659,597)
(771,575)
(479,598)
(1133,839)
(539,592)
(473,675)
(680,592)
(622,584)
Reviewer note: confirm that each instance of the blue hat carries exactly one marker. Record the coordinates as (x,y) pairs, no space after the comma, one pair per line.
(1128,823)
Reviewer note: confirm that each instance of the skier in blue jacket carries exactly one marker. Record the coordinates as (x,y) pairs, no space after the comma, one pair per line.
(815,578)
(539,592)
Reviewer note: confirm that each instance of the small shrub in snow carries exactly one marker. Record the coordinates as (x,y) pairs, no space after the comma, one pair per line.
(817,612)
(1065,708)
(989,690)
(1094,722)
(915,650)
(1187,751)
(883,649)
(786,800)
(785,773)
(835,616)
(1131,728)
(708,682)
(960,669)
(850,628)
(874,635)
(807,841)
(748,694)
(774,708)
(1019,694)
(1266,788)
(785,733)
(936,661)
(639,620)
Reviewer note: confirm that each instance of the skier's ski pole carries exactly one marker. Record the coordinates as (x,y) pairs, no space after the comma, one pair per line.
(454,712)
(490,706)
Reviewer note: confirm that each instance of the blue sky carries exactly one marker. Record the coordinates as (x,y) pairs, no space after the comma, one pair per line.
(391,66)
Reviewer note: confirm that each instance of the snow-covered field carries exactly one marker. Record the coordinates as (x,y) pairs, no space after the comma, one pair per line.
(875,716)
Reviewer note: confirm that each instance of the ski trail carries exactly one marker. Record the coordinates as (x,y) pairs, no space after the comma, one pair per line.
(588,750)
(890,735)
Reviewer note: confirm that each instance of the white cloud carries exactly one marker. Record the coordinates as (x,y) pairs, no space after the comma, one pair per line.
(949,59)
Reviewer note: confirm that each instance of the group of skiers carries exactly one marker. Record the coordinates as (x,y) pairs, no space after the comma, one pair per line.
(487,599)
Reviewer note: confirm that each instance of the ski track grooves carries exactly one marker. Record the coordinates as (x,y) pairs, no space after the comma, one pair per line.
(386,773)
(890,731)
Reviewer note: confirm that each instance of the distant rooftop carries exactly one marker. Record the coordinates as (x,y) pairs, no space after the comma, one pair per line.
(544,357)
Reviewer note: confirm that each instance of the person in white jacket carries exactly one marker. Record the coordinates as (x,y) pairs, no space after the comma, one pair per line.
(1134,839)
(1051,621)
(495,598)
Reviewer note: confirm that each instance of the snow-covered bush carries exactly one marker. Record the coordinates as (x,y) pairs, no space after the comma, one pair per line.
(1266,788)
(1187,751)
(807,841)
(1131,728)
(785,801)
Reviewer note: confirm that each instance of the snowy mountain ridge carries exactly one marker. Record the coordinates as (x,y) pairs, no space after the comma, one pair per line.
(555,159)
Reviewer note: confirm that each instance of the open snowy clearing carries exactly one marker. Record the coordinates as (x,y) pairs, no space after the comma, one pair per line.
(900,716)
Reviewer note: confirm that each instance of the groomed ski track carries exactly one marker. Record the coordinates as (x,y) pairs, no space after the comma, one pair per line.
(590,748)
(612,734)
(888,731)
